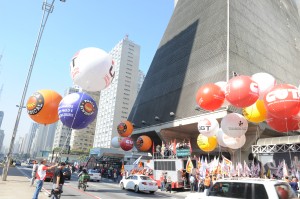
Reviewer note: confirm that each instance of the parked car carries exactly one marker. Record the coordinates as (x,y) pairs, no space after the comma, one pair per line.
(49,175)
(67,173)
(250,188)
(139,183)
(95,175)
(18,163)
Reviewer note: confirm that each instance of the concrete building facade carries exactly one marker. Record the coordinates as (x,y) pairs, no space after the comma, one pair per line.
(117,100)
(1,140)
(205,42)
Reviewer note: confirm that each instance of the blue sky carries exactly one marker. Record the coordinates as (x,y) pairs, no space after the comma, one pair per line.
(73,25)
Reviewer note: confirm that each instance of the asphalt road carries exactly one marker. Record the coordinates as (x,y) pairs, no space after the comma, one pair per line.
(99,190)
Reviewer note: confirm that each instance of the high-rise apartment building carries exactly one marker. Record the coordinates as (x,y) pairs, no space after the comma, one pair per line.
(29,138)
(43,140)
(83,139)
(1,140)
(117,100)
(140,80)
(1,117)
(63,133)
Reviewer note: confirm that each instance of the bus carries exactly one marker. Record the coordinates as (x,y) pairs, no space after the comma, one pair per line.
(175,168)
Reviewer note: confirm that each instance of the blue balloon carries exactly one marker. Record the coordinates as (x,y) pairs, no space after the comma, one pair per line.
(77,110)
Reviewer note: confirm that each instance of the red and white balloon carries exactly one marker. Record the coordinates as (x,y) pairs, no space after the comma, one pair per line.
(126,143)
(283,125)
(210,97)
(241,91)
(283,101)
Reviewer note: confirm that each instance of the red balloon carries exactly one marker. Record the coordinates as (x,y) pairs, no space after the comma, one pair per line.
(126,143)
(242,91)
(283,101)
(283,124)
(210,97)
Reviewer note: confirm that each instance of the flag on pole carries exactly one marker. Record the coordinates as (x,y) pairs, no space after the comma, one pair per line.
(122,168)
(246,169)
(189,166)
(279,172)
(285,169)
(153,148)
(190,145)
(136,163)
(174,147)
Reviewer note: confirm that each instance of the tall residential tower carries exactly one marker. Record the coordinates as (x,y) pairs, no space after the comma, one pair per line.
(117,100)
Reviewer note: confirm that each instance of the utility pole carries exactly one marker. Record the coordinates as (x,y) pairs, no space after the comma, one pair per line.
(47,9)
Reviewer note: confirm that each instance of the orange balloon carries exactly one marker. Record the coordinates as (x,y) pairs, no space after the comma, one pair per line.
(144,143)
(210,97)
(125,129)
(42,106)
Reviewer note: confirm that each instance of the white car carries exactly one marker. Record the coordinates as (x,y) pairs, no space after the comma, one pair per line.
(250,188)
(95,175)
(139,183)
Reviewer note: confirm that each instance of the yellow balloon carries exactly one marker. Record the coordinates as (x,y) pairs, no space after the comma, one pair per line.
(256,112)
(207,144)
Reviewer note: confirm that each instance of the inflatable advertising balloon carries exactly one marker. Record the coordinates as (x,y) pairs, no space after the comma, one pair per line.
(241,91)
(210,97)
(234,125)
(256,112)
(42,106)
(234,143)
(219,136)
(208,126)
(207,144)
(92,69)
(125,129)
(126,143)
(143,143)
(283,125)
(265,83)
(223,85)
(77,110)
(115,142)
(283,101)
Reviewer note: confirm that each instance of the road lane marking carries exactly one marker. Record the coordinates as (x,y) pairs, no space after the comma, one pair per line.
(82,191)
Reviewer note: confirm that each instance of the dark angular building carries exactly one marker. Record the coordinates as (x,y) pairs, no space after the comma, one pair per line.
(263,36)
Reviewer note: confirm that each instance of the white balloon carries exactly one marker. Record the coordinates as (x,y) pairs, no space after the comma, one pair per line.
(265,83)
(208,126)
(222,85)
(234,143)
(219,135)
(92,69)
(234,125)
(115,142)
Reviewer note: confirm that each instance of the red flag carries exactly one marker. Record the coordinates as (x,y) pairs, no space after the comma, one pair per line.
(153,147)
(191,150)
(174,147)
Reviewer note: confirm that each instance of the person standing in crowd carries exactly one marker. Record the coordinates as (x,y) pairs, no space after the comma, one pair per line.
(169,184)
(207,182)
(294,185)
(162,182)
(58,179)
(192,183)
(33,173)
(40,176)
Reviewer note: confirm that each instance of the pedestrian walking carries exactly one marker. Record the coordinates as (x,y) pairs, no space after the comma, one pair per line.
(40,176)
(33,173)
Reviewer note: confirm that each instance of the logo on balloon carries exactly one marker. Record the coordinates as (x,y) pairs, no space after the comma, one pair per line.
(35,103)
(139,142)
(122,128)
(87,107)
(282,94)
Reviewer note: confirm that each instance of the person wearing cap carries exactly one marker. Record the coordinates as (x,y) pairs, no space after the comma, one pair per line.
(40,176)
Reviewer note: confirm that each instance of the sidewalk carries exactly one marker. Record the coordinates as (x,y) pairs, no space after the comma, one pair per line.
(18,187)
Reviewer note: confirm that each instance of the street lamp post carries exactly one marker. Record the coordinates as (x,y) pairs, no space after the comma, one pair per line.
(47,9)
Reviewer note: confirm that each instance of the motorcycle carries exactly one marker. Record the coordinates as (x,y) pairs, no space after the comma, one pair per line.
(83,185)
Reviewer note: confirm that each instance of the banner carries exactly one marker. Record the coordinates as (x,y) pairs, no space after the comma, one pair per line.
(189,166)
